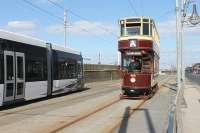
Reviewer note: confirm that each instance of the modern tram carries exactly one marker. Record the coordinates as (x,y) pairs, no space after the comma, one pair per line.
(31,68)
(138,46)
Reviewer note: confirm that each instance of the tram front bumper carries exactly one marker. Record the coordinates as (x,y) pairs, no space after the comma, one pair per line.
(134,91)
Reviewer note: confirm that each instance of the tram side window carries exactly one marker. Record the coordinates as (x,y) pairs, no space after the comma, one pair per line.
(71,69)
(79,67)
(150,29)
(122,30)
(67,68)
(35,69)
(145,28)
(1,68)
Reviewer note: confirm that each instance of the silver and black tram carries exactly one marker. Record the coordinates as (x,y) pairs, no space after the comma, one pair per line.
(31,68)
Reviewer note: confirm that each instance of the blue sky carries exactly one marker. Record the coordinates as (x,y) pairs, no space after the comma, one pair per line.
(18,16)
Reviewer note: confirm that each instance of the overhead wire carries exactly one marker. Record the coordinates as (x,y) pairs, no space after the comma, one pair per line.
(81,17)
(43,10)
(132,7)
(61,19)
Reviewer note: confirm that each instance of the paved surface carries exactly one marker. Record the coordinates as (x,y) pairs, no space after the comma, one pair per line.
(45,115)
(191,114)
(23,118)
(102,121)
(152,116)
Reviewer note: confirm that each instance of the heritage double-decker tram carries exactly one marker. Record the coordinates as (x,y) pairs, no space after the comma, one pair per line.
(139,47)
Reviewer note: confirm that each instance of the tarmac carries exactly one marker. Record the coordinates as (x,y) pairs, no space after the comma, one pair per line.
(191,114)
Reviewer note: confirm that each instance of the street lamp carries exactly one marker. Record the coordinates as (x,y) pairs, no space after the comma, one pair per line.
(194,19)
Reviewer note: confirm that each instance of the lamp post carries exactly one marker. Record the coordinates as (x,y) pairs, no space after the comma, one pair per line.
(181,19)
(192,20)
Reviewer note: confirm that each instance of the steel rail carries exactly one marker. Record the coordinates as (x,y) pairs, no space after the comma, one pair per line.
(83,116)
(53,103)
(113,129)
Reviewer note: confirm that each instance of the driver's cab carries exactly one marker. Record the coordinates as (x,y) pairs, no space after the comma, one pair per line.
(136,62)
(132,63)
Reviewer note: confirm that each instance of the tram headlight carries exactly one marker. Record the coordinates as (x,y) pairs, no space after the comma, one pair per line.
(132,80)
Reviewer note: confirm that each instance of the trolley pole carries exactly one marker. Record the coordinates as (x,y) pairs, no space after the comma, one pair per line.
(65,27)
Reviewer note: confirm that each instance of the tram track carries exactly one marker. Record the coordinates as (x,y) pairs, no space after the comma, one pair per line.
(67,119)
(72,100)
(85,116)
(113,128)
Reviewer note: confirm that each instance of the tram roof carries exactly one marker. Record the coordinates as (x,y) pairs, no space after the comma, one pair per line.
(139,17)
(32,41)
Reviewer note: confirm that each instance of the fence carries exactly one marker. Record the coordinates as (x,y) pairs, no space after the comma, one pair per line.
(193,77)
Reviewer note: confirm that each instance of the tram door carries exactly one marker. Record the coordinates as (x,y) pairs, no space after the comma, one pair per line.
(14,76)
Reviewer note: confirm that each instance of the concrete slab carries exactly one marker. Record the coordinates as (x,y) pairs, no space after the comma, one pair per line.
(191,114)
(102,121)
(40,123)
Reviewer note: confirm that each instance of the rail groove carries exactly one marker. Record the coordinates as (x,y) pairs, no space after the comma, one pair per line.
(83,116)
(134,109)
(53,103)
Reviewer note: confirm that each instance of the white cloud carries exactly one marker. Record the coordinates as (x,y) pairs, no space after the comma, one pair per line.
(21,25)
(83,27)
(55,29)
(168,28)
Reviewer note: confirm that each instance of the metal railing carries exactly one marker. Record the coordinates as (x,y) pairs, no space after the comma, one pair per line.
(175,124)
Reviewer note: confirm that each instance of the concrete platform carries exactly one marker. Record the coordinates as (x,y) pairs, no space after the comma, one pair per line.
(191,114)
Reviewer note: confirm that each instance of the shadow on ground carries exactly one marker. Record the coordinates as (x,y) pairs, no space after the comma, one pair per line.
(124,122)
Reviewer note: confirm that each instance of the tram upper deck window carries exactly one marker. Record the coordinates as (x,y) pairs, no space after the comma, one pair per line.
(146,27)
(122,30)
(133,28)
(133,20)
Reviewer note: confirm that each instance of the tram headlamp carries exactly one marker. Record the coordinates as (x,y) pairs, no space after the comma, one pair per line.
(132,80)
(132,43)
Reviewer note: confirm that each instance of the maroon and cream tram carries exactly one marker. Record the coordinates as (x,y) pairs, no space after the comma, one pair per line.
(138,45)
